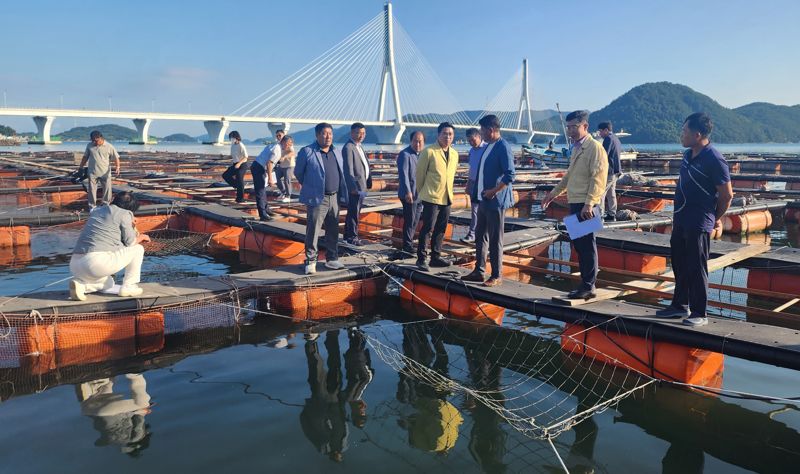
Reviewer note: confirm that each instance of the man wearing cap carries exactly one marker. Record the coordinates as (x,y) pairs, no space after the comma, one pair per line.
(97,158)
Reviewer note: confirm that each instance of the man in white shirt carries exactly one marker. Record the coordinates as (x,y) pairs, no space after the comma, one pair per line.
(261,169)
(234,175)
(357,176)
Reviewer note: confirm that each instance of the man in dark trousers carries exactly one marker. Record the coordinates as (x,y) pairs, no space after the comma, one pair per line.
(407,188)
(357,175)
(702,197)
(585,183)
(613,148)
(493,194)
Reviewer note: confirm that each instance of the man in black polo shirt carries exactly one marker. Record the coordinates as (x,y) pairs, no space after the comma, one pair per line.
(702,196)
(608,206)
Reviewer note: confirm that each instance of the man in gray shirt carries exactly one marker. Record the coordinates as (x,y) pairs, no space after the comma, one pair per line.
(98,156)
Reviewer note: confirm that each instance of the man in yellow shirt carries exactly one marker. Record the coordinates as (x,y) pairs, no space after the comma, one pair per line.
(585,183)
(436,172)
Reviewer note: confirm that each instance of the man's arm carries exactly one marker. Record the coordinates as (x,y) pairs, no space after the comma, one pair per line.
(507,164)
(300,166)
(116,162)
(557,191)
(85,158)
(402,171)
(349,158)
(422,169)
(724,198)
(598,175)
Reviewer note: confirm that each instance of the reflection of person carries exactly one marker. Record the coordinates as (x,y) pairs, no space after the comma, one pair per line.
(358,371)
(323,416)
(119,420)
(234,175)
(407,188)
(585,183)
(434,425)
(97,158)
(108,243)
(487,442)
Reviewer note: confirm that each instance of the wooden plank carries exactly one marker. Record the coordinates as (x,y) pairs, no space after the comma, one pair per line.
(714,264)
(786,305)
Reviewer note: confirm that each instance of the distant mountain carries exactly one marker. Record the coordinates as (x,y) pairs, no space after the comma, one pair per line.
(654,113)
(111,132)
(7,131)
(781,122)
(179,138)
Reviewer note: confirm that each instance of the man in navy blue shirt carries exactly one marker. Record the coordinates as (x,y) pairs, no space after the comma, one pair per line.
(608,205)
(702,197)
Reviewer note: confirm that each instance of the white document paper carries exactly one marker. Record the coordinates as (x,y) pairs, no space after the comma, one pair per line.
(578,229)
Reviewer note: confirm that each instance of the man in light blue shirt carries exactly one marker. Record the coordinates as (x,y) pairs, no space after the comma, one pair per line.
(475,153)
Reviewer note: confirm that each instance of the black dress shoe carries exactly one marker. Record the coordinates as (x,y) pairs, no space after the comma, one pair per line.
(581,294)
(422,265)
(266,218)
(439,263)
(474,277)
(610,218)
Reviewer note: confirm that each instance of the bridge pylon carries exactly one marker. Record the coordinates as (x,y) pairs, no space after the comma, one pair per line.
(393,134)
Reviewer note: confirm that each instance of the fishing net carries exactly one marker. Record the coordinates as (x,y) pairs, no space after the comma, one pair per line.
(173,241)
(527,380)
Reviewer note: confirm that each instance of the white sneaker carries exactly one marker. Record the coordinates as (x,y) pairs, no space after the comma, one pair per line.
(130,291)
(311,268)
(334,265)
(108,284)
(77,290)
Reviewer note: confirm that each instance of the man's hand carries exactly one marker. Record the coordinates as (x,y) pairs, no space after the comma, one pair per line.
(718,225)
(270,183)
(587,212)
(409,198)
(142,238)
(547,200)
(354,192)
(116,172)
(489,193)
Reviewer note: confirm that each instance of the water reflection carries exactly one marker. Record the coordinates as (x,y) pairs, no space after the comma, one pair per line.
(120,420)
(323,418)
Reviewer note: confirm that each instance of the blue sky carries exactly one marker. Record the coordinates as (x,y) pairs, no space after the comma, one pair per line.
(211,57)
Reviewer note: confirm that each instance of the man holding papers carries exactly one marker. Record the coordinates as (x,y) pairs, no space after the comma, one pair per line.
(585,183)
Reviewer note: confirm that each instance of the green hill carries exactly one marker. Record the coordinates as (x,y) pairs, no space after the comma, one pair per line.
(179,138)
(781,122)
(110,132)
(7,131)
(654,113)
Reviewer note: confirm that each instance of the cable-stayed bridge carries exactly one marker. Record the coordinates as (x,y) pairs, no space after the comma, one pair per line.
(376,76)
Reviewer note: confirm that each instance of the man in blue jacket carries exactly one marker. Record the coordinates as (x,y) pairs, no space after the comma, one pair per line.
(319,170)
(492,191)
(407,189)
(608,205)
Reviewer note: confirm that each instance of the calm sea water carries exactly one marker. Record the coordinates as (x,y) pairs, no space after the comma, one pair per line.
(260,396)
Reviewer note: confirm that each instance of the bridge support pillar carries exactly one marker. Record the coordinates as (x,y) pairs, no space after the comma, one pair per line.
(523,137)
(275,126)
(143,127)
(389,135)
(216,131)
(43,126)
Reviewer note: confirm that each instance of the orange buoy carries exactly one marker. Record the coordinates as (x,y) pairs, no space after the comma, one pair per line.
(269,245)
(457,306)
(15,236)
(327,301)
(662,360)
(626,260)
(751,221)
